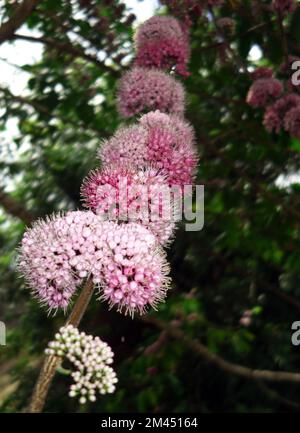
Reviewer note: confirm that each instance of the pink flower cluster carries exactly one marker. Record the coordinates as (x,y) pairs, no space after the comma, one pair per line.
(123,193)
(117,243)
(161,43)
(134,268)
(284,7)
(263,91)
(292,121)
(162,141)
(184,8)
(124,260)
(191,5)
(262,72)
(143,90)
(282,111)
(277,113)
(47,253)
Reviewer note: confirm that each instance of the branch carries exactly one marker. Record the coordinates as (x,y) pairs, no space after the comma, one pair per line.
(234,369)
(20,15)
(15,208)
(283,37)
(68,48)
(275,396)
(241,63)
(285,297)
(40,108)
(52,363)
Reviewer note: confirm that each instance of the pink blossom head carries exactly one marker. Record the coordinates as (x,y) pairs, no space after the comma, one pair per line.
(263,91)
(157,119)
(272,121)
(133,275)
(142,90)
(161,43)
(284,7)
(262,72)
(184,9)
(166,142)
(46,255)
(127,145)
(214,2)
(125,260)
(292,122)
(275,113)
(126,194)
(170,147)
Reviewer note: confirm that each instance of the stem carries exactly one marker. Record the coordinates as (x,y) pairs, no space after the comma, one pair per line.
(19,16)
(241,63)
(63,370)
(203,352)
(52,362)
(14,207)
(283,37)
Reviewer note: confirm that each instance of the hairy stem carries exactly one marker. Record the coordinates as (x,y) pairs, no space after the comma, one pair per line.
(51,362)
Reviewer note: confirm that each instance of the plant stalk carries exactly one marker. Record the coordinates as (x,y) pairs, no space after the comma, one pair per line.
(52,362)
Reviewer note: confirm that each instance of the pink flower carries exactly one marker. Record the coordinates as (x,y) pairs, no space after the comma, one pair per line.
(263,91)
(245,321)
(125,194)
(272,121)
(182,8)
(194,8)
(133,275)
(214,2)
(292,121)
(161,43)
(56,255)
(275,114)
(262,72)
(284,7)
(127,145)
(143,90)
(162,141)
(183,130)
(47,253)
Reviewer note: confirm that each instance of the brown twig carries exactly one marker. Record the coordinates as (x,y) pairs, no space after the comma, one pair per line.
(235,369)
(69,48)
(15,208)
(51,362)
(275,396)
(283,37)
(241,63)
(20,15)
